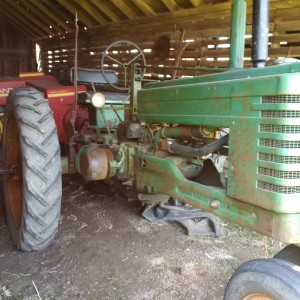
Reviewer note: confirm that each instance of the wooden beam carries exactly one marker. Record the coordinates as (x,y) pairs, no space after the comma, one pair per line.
(144,7)
(12,21)
(105,9)
(73,8)
(12,52)
(18,19)
(53,18)
(28,18)
(197,3)
(171,4)
(210,20)
(38,13)
(290,38)
(126,10)
(58,9)
(91,11)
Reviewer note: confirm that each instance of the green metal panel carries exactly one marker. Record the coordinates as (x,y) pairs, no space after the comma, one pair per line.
(161,176)
(229,75)
(110,116)
(211,103)
(263,114)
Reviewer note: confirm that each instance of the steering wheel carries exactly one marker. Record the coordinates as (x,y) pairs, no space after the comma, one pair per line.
(132,55)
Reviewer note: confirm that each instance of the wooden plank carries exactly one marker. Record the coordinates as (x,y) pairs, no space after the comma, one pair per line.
(72,8)
(171,4)
(105,9)
(91,11)
(196,3)
(27,17)
(17,19)
(58,9)
(184,22)
(287,26)
(39,12)
(124,8)
(144,7)
(52,18)
(12,21)
(290,38)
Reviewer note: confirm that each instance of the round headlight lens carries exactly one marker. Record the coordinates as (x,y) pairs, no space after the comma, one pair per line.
(98,100)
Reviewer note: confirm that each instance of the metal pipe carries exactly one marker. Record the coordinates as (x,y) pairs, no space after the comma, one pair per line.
(186,131)
(194,152)
(206,69)
(237,34)
(260,31)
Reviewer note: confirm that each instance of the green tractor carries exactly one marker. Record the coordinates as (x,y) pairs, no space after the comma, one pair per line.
(156,146)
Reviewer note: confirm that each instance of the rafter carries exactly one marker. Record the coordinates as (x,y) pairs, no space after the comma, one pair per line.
(16,18)
(171,4)
(73,8)
(37,13)
(54,18)
(126,10)
(105,9)
(91,11)
(197,3)
(59,10)
(12,21)
(26,16)
(144,7)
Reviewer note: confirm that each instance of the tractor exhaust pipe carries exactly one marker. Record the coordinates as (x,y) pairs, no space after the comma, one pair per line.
(260,31)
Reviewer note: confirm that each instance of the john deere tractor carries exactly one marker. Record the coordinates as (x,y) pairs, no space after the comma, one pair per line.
(156,145)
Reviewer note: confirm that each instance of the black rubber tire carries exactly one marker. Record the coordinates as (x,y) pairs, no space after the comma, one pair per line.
(30,133)
(290,253)
(275,278)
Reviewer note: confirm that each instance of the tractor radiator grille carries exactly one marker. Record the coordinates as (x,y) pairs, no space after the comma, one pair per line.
(280,128)
(278,188)
(281,99)
(280,159)
(279,144)
(280,114)
(283,180)
(279,174)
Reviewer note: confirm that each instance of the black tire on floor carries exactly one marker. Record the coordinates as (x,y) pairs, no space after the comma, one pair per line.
(264,279)
(32,194)
(290,253)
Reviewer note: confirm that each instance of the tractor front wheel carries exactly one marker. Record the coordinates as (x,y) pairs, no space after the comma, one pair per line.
(32,191)
(264,279)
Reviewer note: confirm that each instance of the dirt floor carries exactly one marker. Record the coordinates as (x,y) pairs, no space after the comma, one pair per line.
(106,250)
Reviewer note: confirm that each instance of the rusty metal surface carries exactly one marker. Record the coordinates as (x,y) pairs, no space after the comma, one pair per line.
(159,175)
(94,163)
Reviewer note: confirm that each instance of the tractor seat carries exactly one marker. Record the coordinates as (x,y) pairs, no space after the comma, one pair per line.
(93,76)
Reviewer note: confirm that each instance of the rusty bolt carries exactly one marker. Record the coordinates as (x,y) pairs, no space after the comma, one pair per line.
(252,216)
(215,204)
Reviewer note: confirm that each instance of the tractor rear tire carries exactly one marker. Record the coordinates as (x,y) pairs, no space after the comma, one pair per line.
(269,279)
(32,191)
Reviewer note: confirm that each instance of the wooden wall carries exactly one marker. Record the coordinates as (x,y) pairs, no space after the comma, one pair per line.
(199,39)
(17,51)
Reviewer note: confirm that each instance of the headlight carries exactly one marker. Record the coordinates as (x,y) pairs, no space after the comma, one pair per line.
(98,100)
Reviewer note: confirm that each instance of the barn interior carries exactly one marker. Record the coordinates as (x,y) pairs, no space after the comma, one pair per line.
(185,33)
